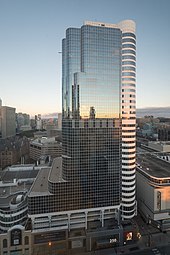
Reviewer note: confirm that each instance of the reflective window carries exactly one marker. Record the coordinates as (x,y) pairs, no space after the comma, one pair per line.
(128,63)
(129,46)
(128,74)
(128,79)
(129,35)
(128,90)
(128,68)
(128,52)
(128,40)
(129,57)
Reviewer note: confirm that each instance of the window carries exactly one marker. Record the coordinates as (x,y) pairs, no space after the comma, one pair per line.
(128,74)
(26,240)
(128,51)
(5,243)
(129,46)
(126,40)
(129,57)
(129,34)
(128,63)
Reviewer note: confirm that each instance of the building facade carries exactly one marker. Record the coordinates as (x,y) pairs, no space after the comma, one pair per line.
(23,121)
(153,190)
(92,186)
(99,65)
(45,147)
(12,150)
(7,122)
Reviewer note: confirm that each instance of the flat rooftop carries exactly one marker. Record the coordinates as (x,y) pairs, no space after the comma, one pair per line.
(53,174)
(9,176)
(152,165)
(40,185)
(56,171)
(13,183)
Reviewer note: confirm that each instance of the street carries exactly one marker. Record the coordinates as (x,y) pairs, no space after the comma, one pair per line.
(165,250)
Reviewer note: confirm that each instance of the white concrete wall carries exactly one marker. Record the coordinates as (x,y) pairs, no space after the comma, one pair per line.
(145,195)
(147,198)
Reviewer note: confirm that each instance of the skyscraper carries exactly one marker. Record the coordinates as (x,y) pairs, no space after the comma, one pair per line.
(99,115)
(92,186)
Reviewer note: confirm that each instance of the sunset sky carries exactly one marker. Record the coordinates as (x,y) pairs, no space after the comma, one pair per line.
(30,42)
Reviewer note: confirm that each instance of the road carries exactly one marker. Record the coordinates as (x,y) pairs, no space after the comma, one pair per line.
(165,250)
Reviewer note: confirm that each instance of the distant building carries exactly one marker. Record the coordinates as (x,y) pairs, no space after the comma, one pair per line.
(7,121)
(13,150)
(23,121)
(38,122)
(45,146)
(164,132)
(160,146)
(59,120)
(51,129)
(147,119)
(33,123)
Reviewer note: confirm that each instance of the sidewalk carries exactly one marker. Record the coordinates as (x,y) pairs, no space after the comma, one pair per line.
(146,242)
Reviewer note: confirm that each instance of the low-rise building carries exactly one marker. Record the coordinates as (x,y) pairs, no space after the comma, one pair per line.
(161,146)
(15,227)
(153,189)
(45,146)
(14,186)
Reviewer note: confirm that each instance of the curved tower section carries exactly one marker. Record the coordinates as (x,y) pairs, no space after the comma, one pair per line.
(128,205)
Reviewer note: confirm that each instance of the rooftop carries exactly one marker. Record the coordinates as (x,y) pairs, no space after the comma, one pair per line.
(56,171)
(14,183)
(152,165)
(40,184)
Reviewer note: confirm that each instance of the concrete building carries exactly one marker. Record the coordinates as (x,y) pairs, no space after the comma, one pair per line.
(45,146)
(59,120)
(153,190)
(7,121)
(160,146)
(14,186)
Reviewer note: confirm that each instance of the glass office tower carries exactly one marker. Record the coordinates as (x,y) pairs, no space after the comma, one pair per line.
(92,186)
(98,90)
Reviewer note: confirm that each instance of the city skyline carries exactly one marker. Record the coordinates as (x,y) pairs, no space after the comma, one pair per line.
(30,43)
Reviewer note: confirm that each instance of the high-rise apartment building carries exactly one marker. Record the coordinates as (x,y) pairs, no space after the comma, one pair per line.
(92,186)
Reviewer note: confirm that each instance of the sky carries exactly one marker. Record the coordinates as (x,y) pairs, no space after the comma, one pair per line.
(31,32)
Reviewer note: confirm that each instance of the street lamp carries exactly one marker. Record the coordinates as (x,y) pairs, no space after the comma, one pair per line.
(49,245)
